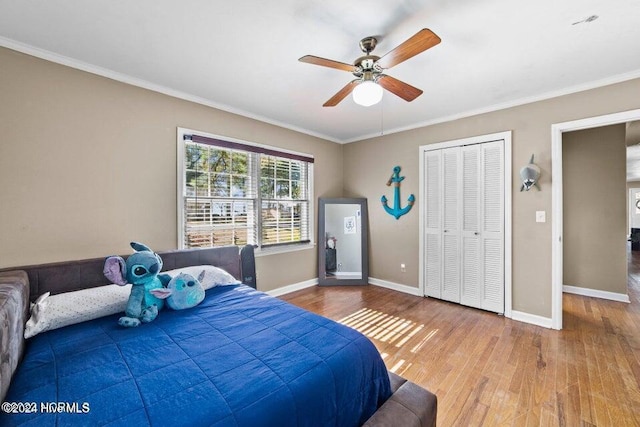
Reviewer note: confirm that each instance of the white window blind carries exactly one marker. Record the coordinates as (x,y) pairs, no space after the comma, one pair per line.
(237,194)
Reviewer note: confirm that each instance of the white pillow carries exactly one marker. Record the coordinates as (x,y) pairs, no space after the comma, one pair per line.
(55,311)
(213,276)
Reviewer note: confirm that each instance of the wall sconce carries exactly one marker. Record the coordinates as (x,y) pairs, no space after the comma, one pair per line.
(530,174)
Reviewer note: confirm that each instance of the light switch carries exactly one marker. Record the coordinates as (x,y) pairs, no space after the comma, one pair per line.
(541,216)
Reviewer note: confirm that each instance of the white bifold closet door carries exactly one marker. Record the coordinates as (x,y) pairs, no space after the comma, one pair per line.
(464,225)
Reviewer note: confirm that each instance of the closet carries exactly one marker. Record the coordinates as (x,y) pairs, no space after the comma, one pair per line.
(464,221)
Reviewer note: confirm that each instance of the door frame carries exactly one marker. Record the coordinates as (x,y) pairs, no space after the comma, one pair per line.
(557,130)
(507,180)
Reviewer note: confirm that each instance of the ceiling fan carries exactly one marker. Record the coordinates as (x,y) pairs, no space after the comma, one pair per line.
(369,70)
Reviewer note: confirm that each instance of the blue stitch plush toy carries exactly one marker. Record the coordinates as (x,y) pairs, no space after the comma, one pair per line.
(141,270)
(183,291)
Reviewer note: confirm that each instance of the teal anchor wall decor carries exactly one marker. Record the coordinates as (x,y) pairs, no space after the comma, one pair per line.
(397,211)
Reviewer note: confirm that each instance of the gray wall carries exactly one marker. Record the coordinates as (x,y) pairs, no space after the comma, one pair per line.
(595,209)
(531,131)
(88,164)
(72,143)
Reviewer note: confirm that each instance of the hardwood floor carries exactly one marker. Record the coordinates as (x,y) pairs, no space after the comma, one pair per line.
(491,371)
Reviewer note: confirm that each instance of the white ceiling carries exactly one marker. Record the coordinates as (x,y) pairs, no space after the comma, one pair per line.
(242,56)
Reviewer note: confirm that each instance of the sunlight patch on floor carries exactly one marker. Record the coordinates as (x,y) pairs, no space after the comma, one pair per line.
(424,340)
(397,366)
(386,328)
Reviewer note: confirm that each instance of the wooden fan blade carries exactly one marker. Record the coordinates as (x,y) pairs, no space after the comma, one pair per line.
(399,88)
(421,41)
(342,93)
(316,60)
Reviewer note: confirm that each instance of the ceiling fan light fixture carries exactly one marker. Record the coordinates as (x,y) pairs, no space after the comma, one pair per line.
(367,93)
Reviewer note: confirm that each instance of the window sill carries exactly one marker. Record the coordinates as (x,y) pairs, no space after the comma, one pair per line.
(283,249)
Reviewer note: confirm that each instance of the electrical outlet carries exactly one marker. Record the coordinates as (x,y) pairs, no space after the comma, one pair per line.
(541,216)
(403,268)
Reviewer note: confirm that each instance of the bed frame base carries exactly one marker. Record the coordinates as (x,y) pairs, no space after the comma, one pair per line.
(409,406)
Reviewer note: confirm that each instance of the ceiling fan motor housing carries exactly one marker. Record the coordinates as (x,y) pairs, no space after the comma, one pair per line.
(366,64)
(367,44)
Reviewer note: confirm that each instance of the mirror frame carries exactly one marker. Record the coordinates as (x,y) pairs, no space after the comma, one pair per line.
(364,233)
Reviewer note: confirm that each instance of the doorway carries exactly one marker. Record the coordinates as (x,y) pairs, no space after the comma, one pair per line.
(557,198)
(633,215)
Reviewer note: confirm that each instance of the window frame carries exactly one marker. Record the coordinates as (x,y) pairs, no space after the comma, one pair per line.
(260,250)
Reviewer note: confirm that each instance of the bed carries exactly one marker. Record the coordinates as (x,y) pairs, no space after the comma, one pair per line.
(240,358)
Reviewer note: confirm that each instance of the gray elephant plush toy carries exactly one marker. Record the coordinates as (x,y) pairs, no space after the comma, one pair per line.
(141,269)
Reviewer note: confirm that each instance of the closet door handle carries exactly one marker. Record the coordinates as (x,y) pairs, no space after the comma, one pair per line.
(476,233)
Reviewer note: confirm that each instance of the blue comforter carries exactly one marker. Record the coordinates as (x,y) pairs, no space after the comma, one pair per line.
(241,358)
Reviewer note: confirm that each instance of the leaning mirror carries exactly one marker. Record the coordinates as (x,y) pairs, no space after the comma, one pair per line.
(343,258)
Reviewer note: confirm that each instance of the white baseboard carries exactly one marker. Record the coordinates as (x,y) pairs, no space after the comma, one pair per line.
(613,296)
(519,316)
(377,282)
(396,286)
(533,319)
(292,288)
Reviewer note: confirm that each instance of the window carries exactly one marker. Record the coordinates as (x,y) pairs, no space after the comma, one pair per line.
(237,193)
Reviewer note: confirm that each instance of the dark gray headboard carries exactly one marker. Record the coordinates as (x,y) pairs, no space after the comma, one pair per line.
(74,275)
